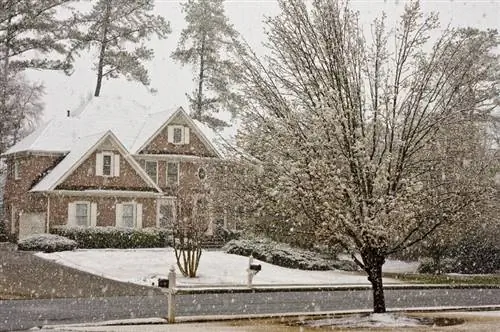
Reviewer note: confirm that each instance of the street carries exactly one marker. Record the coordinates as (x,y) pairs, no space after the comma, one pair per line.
(25,314)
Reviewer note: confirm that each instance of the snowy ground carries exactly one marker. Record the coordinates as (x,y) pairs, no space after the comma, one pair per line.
(143,266)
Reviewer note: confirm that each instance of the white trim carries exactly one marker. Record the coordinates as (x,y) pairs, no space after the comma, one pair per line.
(136,214)
(17,175)
(106,193)
(176,157)
(72,217)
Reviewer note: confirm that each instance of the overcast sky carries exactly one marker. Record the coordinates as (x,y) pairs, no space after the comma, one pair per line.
(172,81)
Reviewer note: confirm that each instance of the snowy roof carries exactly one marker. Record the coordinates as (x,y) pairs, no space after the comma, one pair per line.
(131,122)
(83,146)
(80,150)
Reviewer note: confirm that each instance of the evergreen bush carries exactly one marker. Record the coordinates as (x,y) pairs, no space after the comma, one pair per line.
(112,237)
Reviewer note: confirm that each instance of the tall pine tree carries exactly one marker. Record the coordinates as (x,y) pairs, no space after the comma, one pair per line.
(31,36)
(207,44)
(117,30)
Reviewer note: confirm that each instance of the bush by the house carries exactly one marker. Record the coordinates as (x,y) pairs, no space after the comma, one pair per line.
(112,237)
(46,243)
(286,256)
(429,265)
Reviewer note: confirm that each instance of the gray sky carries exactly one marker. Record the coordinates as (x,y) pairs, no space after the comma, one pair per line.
(172,81)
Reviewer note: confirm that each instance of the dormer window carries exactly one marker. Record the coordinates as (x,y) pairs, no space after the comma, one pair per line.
(107,164)
(178,134)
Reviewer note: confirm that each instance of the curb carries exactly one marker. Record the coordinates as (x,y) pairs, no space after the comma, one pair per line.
(319,288)
(213,318)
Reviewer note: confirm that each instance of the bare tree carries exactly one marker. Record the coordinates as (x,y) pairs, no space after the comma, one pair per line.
(350,136)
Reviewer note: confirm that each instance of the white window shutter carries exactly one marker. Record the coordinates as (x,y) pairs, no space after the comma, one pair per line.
(71,214)
(170,134)
(139,215)
(116,165)
(98,164)
(186,135)
(93,214)
(118,213)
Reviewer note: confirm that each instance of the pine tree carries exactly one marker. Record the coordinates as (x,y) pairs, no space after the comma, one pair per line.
(31,36)
(117,29)
(207,44)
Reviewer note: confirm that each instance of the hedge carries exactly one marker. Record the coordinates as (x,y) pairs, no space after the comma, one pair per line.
(112,237)
(46,243)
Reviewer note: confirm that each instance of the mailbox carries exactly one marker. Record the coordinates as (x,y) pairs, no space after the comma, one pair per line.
(255,267)
(163,283)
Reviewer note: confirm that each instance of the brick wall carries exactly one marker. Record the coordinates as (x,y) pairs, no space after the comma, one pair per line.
(160,144)
(16,196)
(105,209)
(84,177)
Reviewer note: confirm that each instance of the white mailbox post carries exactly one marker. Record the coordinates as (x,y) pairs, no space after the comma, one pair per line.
(171,296)
(252,270)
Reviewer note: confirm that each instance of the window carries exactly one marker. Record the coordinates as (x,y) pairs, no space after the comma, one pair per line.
(82,214)
(178,134)
(172,174)
(128,219)
(166,215)
(17,174)
(107,164)
(151,168)
(129,215)
(202,173)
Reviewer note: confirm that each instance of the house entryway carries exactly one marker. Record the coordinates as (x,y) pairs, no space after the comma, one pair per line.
(31,223)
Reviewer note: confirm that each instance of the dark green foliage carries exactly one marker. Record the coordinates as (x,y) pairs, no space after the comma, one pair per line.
(46,243)
(111,237)
(286,256)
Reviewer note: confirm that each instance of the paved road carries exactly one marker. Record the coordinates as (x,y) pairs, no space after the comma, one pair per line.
(24,314)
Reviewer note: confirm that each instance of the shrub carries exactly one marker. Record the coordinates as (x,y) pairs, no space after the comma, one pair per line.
(429,265)
(112,237)
(46,243)
(286,256)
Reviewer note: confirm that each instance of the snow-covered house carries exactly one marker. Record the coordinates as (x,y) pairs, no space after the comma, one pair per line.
(113,162)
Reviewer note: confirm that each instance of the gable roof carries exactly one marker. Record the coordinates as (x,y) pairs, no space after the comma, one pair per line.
(133,124)
(143,140)
(80,151)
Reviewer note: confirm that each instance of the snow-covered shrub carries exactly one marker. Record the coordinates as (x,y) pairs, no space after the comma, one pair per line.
(46,243)
(429,265)
(112,237)
(286,256)
(477,254)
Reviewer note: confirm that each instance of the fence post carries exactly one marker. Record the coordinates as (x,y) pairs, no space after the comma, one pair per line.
(250,272)
(171,296)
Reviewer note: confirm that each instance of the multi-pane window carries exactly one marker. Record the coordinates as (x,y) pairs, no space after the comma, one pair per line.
(107,164)
(172,174)
(128,219)
(152,170)
(82,214)
(177,135)
(166,216)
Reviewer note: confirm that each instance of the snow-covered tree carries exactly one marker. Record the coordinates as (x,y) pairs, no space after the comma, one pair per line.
(31,36)
(208,44)
(350,137)
(117,30)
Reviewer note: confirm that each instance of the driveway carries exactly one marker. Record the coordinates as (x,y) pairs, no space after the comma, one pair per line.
(25,276)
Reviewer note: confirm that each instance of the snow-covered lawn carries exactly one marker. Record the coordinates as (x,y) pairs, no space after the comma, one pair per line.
(143,266)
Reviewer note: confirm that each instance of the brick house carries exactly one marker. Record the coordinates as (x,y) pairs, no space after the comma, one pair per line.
(113,162)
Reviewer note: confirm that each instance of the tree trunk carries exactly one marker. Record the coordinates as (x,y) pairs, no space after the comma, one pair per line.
(373,266)
(102,52)
(199,102)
